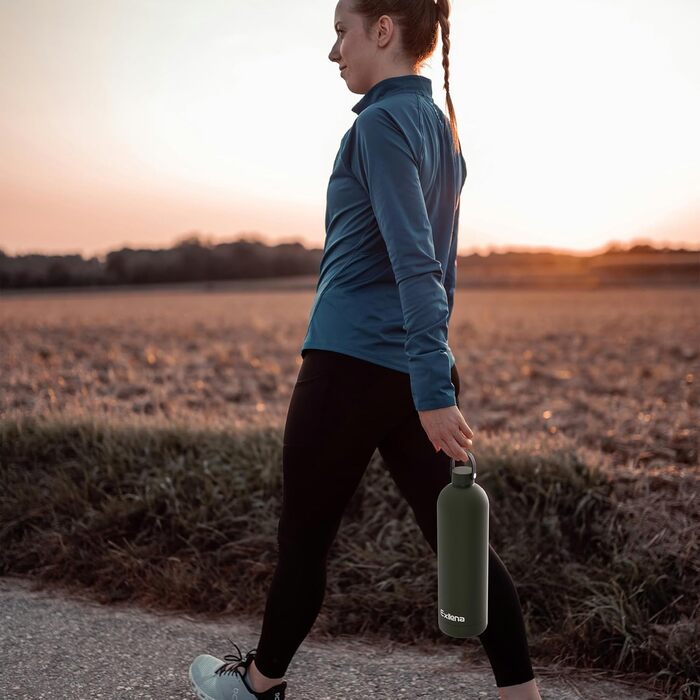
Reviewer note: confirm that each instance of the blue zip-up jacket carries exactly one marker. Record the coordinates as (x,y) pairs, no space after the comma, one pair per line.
(387,276)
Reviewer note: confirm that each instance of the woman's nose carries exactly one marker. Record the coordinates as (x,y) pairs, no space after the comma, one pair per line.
(334,54)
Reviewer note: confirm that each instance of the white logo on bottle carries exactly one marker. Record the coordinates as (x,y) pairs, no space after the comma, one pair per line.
(450,616)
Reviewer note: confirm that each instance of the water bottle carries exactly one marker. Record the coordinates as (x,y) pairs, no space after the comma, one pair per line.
(463,553)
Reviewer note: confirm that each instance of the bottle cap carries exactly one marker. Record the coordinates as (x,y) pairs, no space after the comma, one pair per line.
(463,474)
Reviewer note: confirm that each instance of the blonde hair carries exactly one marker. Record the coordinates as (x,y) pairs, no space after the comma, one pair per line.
(419,21)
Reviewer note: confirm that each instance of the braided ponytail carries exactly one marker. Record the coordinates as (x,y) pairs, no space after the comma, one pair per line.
(443,14)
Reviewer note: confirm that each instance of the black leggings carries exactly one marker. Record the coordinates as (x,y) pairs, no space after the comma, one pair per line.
(343,408)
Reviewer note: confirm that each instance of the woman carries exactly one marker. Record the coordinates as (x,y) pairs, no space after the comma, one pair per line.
(377,370)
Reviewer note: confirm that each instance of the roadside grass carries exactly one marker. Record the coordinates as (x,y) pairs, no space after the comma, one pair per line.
(606,561)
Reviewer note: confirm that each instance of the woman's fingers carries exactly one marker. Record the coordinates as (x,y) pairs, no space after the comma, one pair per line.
(456,442)
(456,445)
(464,441)
(455,450)
(464,427)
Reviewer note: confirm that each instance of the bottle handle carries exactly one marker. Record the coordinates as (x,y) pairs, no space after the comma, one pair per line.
(472,463)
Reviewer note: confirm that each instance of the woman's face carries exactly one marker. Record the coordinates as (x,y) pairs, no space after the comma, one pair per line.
(355,53)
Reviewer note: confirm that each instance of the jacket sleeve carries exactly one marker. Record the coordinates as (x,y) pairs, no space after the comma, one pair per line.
(387,167)
(451,272)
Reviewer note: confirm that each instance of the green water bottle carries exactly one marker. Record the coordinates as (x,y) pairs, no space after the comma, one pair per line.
(463,553)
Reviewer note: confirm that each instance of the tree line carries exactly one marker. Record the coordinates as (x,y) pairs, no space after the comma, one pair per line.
(194,259)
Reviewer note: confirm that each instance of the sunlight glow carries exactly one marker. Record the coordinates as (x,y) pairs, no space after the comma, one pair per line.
(135,122)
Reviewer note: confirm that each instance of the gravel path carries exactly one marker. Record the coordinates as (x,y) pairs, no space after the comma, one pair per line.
(62,647)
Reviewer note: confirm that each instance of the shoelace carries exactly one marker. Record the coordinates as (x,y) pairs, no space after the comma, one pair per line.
(232,662)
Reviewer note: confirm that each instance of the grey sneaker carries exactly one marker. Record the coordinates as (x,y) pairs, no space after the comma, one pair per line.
(214,679)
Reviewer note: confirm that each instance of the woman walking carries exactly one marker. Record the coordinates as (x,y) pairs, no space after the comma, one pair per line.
(377,370)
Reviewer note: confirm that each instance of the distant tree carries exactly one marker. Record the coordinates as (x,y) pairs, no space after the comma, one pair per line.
(57,273)
(115,266)
(193,238)
(642,248)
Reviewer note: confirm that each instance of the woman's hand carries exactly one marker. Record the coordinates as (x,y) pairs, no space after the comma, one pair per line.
(448,431)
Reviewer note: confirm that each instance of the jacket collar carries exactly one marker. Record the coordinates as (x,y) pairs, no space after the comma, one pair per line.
(398,83)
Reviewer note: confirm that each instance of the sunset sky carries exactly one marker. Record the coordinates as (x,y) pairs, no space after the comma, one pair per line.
(136,122)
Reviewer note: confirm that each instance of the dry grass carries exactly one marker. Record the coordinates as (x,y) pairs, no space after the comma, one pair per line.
(122,416)
(615,370)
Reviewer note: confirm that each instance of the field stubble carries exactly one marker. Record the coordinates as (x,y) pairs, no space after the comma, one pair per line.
(615,370)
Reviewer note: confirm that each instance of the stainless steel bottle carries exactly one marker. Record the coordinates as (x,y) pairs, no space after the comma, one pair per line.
(463,553)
